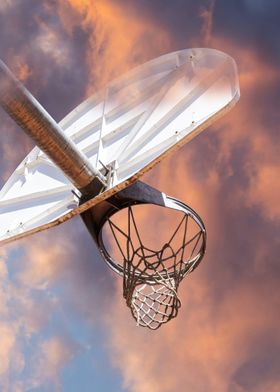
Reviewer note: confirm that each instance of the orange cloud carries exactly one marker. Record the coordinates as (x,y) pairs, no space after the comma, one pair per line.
(52,355)
(4,5)
(207,17)
(117,38)
(49,42)
(43,264)
(7,345)
(11,357)
(264,191)
(20,68)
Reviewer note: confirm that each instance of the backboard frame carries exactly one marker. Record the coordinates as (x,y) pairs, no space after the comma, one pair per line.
(120,186)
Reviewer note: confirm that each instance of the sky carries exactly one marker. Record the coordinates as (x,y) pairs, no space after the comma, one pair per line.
(64,325)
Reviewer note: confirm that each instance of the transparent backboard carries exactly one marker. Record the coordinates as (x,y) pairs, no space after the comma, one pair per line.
(128,127)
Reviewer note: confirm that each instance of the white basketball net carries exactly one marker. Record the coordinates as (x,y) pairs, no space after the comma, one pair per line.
(151,278)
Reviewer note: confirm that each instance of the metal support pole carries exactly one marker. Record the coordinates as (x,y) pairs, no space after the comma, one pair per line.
(20,104)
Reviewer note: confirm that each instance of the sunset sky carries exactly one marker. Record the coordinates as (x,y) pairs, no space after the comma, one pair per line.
(64,325)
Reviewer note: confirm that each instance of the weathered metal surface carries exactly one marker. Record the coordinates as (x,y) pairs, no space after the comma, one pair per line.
(46,133)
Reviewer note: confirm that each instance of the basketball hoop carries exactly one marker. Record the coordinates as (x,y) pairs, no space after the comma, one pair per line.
(151,277)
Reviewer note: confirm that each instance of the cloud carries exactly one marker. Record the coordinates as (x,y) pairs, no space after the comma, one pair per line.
(5,4)
(11,358)
(207,17)
(246,23)
(7,344)
(37,272)
(116,38)
(228,174)
(32,354)
(264,191)
(52,44)
(52,355)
